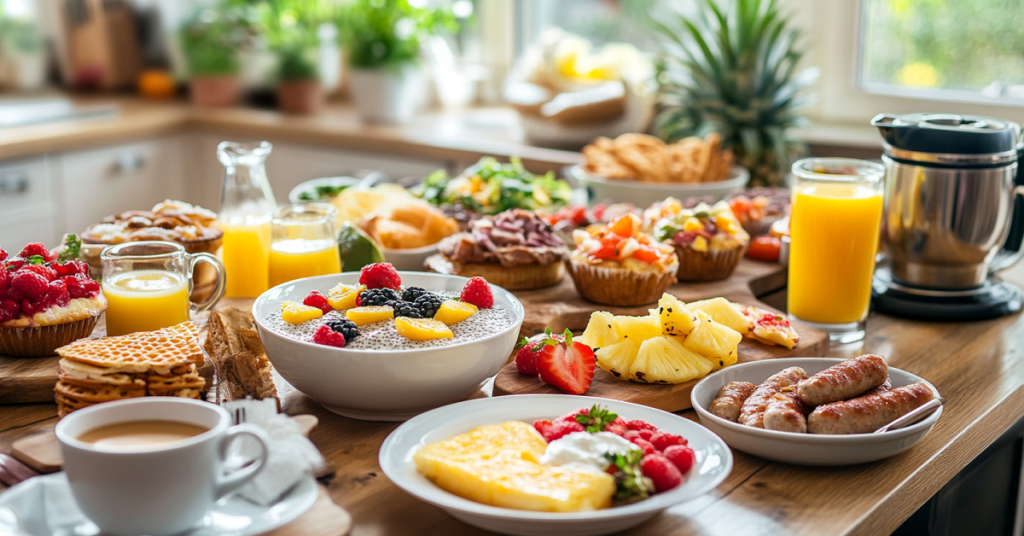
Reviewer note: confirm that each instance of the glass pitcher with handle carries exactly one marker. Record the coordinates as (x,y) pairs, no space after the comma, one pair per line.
(246,213)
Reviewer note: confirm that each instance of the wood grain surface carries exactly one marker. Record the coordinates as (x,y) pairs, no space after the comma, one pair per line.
(978,366)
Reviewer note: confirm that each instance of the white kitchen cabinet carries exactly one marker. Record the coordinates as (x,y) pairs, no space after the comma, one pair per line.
(99,182)
(26,208)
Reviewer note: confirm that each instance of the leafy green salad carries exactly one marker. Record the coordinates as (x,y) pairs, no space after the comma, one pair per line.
(490,187)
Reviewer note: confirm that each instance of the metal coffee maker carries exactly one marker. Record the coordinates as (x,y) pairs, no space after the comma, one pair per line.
(949,203)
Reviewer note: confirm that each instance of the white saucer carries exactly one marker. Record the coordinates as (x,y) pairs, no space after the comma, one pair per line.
(43,506)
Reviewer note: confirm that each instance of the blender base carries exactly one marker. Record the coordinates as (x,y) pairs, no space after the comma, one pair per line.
(994,298)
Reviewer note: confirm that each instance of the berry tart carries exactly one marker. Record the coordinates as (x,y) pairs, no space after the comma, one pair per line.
(45,302)
(758,208)
(708,239)
(618,264)
(516,250)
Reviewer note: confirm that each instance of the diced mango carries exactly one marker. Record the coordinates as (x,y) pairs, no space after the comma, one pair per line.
(453,312)
(422,329)
(296,313)
(692,224)
(368,315)
(343,297)
(699,244)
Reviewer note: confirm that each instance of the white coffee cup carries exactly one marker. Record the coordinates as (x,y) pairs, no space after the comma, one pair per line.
(161,491)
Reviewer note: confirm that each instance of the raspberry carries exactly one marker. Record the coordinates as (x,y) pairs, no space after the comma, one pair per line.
(617,426)
(645,434)
(80,286)
(681,456)
(5,281)
(637,424)
(662,472)
(35,248)
(315,299)
(664,440)
(28,284)
(543,427)
(478,293)
(70,268)
(14,265)
(3,254)
(380,275)
(328,337)
(645,446)
(560,429)
(57,294)
(49,273)
(9,309)
(30,307)
(631,435)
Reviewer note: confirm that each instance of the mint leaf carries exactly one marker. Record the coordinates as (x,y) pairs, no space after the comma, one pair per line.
(597,420)
(36,259)
(72,248)
(630,483)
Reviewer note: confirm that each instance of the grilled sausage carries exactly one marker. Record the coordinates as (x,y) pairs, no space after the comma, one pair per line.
(868,413)
(886,385)
(752,412)
(786,413)
(844,380)
(730,399)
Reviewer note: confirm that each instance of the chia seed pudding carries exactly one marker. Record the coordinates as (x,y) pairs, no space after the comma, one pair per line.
(384,336)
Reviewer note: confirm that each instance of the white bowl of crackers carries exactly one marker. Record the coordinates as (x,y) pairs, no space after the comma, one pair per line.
(642,169)
(843,439)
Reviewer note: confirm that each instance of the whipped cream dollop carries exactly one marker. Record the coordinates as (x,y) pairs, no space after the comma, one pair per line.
(586,450)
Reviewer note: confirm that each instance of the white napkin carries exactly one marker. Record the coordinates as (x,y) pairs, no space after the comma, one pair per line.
(292,457)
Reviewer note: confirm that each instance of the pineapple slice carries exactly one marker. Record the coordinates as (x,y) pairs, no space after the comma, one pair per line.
(453,312)
(617,359)
(600,331)
(297,313)
(422,329)
(344,296)
(665,360)
(724,312)
(676,320)
(714,341)
(637,328)
(368,315)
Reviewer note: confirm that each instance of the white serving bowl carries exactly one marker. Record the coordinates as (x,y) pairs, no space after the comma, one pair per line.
(409,259)
(714,461)
(311,185)
(804,449)
(644,194)
(377,385)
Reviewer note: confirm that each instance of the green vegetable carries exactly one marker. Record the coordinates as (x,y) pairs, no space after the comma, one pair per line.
(72,248)
(321,192)
(630,483)
(490,187)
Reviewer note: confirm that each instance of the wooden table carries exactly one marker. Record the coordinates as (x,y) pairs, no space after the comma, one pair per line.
(977,366)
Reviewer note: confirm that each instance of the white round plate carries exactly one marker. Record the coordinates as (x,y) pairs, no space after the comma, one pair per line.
(43,506)
(644,194)
(714,461)
(804,449)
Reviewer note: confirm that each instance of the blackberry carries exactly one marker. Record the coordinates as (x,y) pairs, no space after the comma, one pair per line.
(346,327)
(428,304)
(408,310)
(378,296)
(412,293)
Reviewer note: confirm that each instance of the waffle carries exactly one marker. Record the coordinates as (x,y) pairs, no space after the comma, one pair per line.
(181,393)
(183,377)
(66,405)
(159,350)
(122,380)
(243,369)
(107,393)
(72,371)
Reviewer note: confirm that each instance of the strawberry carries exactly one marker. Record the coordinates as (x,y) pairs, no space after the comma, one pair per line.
(645,446)
(565,363)
(26,284)
(663,440)
(9,309)
(617,426)
(645,434)
(328,337)
(526,357)
(681,456)
(637,424)
(5,281)
(543,427)
(662,472)
(315,299)
(35,248)
(380,275)
(477,292)
(3,254)
(560,429)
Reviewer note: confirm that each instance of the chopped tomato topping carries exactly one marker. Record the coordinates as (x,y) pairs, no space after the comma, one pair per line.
(646,254)
(769,319)
(765,248)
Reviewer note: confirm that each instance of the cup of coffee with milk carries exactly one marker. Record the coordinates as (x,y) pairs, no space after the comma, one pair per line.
(152,465)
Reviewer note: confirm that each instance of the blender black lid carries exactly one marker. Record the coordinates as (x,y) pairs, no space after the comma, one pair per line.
(948,133)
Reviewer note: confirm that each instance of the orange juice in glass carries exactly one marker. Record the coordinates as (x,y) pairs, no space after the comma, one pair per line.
(147,285)
(303,243)
(834,231)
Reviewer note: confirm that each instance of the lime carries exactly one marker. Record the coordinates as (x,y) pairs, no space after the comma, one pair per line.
(356,249)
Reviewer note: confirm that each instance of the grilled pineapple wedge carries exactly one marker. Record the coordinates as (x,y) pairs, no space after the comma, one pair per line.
(664,360)
(497,465)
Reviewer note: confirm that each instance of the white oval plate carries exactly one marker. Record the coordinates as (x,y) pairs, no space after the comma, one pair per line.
(714,462)
(804,449)
(644,194)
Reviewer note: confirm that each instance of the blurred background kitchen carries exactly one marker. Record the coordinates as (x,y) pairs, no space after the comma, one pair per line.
(107,104)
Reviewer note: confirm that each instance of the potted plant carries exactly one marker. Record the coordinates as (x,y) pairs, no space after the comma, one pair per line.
(23,51)
(382,39)
(299,90)
(211,41)
(731,69)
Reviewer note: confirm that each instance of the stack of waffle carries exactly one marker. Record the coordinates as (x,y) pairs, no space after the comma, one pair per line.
(243,370)
(153,363)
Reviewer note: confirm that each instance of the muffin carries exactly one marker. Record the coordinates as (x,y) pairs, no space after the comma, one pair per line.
(516,250)
(618,264)
(758,208)
(45,303)
(708,239)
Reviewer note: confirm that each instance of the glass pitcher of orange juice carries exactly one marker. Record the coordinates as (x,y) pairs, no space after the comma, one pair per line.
(834,231)
(303,243)
(246,211)
(147,285)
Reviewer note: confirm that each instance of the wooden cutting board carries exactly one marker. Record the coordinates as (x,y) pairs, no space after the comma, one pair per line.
(560,307)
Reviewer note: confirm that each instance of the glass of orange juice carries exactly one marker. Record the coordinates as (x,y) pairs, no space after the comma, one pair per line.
(147,285)
(834,231)
(303,243)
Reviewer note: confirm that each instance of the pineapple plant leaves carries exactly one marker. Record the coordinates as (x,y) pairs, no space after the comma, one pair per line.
(730,66)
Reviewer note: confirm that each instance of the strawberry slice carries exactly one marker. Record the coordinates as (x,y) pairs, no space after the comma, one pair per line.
(565,363)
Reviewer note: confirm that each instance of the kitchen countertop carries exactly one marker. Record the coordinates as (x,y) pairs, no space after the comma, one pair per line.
(464,135)
(977,366)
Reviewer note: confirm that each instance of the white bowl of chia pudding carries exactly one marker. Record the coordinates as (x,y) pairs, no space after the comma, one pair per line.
(380,375)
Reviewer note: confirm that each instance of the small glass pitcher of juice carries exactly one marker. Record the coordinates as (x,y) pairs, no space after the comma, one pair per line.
(246,209)
(147,285)
(303,243)
(834,231)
